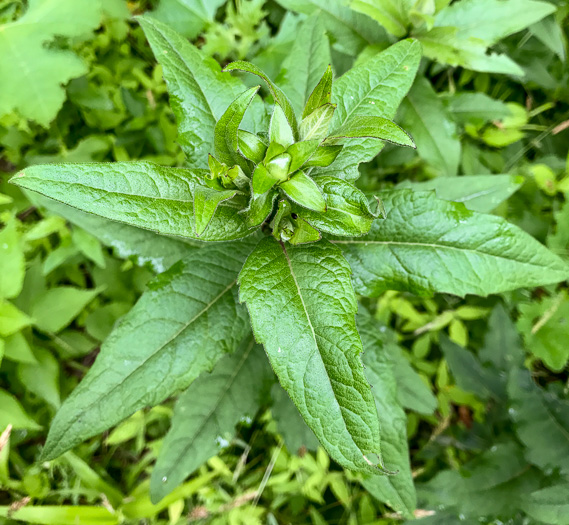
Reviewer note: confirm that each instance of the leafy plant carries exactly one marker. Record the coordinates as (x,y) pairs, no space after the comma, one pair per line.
(281,184)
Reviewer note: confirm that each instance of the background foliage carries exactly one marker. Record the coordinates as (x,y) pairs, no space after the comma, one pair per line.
(481,382)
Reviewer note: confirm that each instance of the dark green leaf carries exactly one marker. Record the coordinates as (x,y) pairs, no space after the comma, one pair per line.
(548,505)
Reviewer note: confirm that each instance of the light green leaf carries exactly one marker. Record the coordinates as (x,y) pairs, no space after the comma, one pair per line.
(481,193)
(280,98)
(347,209)
(301,301)
(12,320)
(541,420)
(54,309)
(251,146)
(89,246)
(209,410)
(434,133)
(13,413)
(141,194)
(301,152)
(42,379)
(143,246)
(476,107)
(372,127)
(324,156)
(31,73)
(397,490)
(62,515)
(301,189)
(280,131)
(226,130)
(199,92)
(425,243)
(17,349)
(206,203)
(156,349)
(321,95)
(544,329)
(187,17)
(374,88)
(304,233)
(317,124)
(548,505)
(492,20)
(309,57)
(391,14)
(12,261)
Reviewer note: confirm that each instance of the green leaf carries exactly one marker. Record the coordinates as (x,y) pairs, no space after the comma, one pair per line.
(301,189)
(301,152)
(492,20)
(304,233)
(13,413)
(290,424)
(54,309)
(12,261)
(156,349)
(42,378)
(426,118)
(199,92)
(425,243)
(187,17)
(251,146)
(541,420)
(143,246)
(347,209)
(324,156)
(206,202)
(262,181)
(141,194)
(301,302)
(17,349)
(548,505)
(549,31)
(31,72)
(317,123)
(309,56)
(544,328)
(226,130)
(209,410)
(260,207)
(476,107)
(321,95)
(280,131)
(280,98)
(12,320)
(398,490)
(391,14)
(372,127)
(481,193)
(502,345)
(61,515)
(373,88)
(279,167)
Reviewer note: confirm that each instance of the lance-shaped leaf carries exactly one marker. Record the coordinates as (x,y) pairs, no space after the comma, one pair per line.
(206,202)
(158,347)
(251,146)
(226,130)
(260,207)
(280,98)
(317,124)
(374,88)
(199,92)
(302,308)
(301,189)
(301,153)
(372,127)
(141,194)
(309,56)
(347,209)
(427,245)
(397,491)
(321,95)
(323,156)
(280,131)
(303,233)
(208,411)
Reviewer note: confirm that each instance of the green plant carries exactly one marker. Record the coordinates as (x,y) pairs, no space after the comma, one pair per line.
(309,313)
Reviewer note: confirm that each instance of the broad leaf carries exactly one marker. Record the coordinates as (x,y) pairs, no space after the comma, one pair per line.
(12,260)
(188,17)
(374,88)
(199,92)
(482,193)
(397,490)
(372,127)
(301,189)
(391,14)
(13,413)
(308,59)
(548,505)
(427,245)
(302,304)
(316,125)
(209,410)
(157,348)
(347,209)
(141,194)
(476,107)
(541,421)
(425,117)
(502,344)
(206,202)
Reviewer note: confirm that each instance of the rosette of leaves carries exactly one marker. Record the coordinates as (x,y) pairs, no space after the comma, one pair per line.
(298,239)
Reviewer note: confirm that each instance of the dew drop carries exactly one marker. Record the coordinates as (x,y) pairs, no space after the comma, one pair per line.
(164,479)
(279,350)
